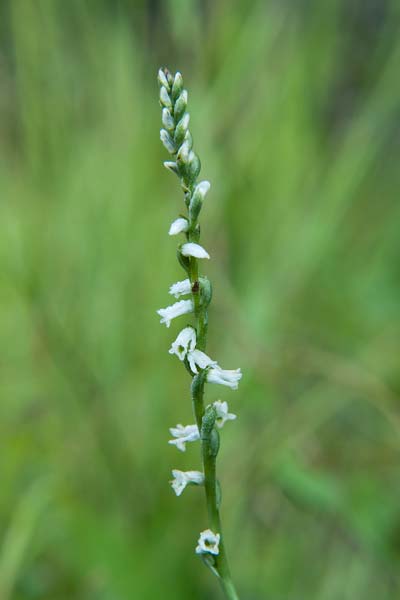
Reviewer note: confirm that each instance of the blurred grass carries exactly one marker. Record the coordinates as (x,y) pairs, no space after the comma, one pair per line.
(295,113)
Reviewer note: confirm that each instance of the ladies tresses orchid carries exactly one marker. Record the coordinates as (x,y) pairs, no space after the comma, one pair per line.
(190,344)
(222,413)
(197,358)
(230,378)
(191,249)
(183,434)
(181,288)
(176,310)
(208,542)
(184,343)
(178,226)
(183,478)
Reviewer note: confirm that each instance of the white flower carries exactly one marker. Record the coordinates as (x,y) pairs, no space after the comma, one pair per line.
(176,310)
(208,542)
(178,226)
(191,249)
(202,188)
(183,434)
(181,288)
(182,478)
(184,343)
(225,377)
(199,358)
(222,413)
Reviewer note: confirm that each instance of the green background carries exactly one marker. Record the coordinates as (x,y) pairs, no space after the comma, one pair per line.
(295,111)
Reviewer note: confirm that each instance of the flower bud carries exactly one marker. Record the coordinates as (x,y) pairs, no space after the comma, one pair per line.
(208,421)
(206,291)
(171,166)
(167,141)
(180,105)
(162,78)
(167,120)
(183,154)
(189,139)
(194,166)
(177,86)
(179,226)
(197,384)
(165,100)
(196,201)
(181,129)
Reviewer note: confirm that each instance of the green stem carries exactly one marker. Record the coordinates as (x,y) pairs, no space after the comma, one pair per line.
(211,490)
(208,456)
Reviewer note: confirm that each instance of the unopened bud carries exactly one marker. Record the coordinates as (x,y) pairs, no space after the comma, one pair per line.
(167,120)
(183,154)
(171,166)
(177,86)
(205,291)
(194,166)
(162,78)
(181,129)
(167,141)
(180,105)
(196,201)
(164,97)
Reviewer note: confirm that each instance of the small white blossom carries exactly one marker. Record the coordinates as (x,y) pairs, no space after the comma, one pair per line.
(197,358)
(183,434)
(176,310)
(222,413)
(184,343)
(178,226)
(202,188)
(182,478)
(229,378)
(192,249)
(181,288)
(208,542)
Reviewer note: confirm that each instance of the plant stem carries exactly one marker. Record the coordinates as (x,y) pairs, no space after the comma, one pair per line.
(211,484)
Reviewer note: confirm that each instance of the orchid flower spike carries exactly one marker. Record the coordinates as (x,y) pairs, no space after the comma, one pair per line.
(190,343)
(183,478)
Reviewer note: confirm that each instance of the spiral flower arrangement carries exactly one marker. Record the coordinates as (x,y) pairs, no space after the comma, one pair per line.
(190,344)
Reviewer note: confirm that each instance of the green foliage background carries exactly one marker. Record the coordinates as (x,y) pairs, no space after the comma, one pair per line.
(295,113)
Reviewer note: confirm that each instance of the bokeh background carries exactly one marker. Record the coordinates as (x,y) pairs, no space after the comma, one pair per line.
(295,113)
